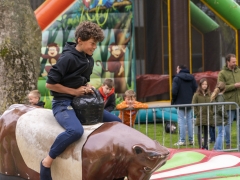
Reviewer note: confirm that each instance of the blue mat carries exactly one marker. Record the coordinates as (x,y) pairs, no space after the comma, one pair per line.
(161,113)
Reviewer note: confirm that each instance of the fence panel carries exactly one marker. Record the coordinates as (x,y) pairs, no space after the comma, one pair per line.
(161,123)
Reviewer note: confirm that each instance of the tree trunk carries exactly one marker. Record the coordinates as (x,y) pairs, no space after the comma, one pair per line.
(20,49)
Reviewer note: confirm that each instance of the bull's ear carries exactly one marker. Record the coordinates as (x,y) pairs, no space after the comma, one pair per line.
(138,149)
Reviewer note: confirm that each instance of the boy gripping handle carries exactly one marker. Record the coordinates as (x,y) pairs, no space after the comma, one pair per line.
(128,117)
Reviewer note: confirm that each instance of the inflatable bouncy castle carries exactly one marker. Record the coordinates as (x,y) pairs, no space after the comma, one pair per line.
(114,57)
(152,38)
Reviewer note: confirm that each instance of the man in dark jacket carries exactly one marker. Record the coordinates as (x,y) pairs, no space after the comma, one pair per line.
(183,87)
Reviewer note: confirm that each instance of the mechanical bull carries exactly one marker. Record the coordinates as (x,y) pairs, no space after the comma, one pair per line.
(106,151)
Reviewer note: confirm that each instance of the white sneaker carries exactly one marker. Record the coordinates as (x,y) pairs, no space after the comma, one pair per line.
(180,144)
(191,142)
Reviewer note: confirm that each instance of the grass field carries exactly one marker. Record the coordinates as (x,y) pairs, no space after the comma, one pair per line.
(166,139)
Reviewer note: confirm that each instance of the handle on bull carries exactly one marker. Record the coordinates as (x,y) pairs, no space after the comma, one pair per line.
(96,94)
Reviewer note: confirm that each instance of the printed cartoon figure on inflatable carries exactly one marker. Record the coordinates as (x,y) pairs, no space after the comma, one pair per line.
(106,151)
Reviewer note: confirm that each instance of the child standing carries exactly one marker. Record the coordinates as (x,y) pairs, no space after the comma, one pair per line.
(34,98)
(220,115)
(108,94)
(202,95)
(128,117)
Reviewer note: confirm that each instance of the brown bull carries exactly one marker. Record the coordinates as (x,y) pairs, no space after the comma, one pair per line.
(112,151)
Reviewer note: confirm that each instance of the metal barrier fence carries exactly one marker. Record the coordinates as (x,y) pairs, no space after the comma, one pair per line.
(155,127)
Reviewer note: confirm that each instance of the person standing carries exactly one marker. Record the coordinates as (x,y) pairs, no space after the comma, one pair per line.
(220,115)
(183,87)
(204,115)
(230,75)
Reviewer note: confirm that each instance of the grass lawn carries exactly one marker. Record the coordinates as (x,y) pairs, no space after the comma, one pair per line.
(166,139)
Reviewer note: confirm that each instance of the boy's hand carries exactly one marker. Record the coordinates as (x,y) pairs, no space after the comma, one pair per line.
(88,89)
(131,106)
(80,91)
(83,90)
(90,86)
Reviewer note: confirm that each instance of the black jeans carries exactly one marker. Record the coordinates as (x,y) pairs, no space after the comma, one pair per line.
(204,130)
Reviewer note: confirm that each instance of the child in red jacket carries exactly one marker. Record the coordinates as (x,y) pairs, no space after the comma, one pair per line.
(128,117)
(107,92)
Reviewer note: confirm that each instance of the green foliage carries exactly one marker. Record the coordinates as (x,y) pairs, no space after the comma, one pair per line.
(118,99)
(45,93)
(128,8)
(4,51)
(48,100)
(4,48)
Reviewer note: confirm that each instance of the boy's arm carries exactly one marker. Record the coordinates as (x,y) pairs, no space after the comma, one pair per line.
(122,105)
(63,89)
(175,89)
(139,105)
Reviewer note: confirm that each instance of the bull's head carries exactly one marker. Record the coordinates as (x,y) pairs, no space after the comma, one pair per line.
(146,161)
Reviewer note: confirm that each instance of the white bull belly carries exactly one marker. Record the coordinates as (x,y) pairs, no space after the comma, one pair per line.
(36,131)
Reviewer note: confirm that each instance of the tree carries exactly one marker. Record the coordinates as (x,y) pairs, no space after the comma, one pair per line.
(20,49)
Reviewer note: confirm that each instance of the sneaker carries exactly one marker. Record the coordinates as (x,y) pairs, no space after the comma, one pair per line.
(211,141)
(180,144)
(204,148)
(228,146)
(45,173)
(191,142)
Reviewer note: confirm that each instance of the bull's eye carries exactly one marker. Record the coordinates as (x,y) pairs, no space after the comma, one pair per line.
(147,169)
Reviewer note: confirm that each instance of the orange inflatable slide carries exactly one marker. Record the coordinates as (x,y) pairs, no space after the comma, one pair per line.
(50,10)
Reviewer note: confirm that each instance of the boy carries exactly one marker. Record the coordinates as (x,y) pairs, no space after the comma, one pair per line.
(128,116)
(68,79)
(34,98)
(108,95)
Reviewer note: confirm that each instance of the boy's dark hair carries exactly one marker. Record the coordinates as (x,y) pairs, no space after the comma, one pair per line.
(182,66)
(130,93)
(87,30)
(108,82)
